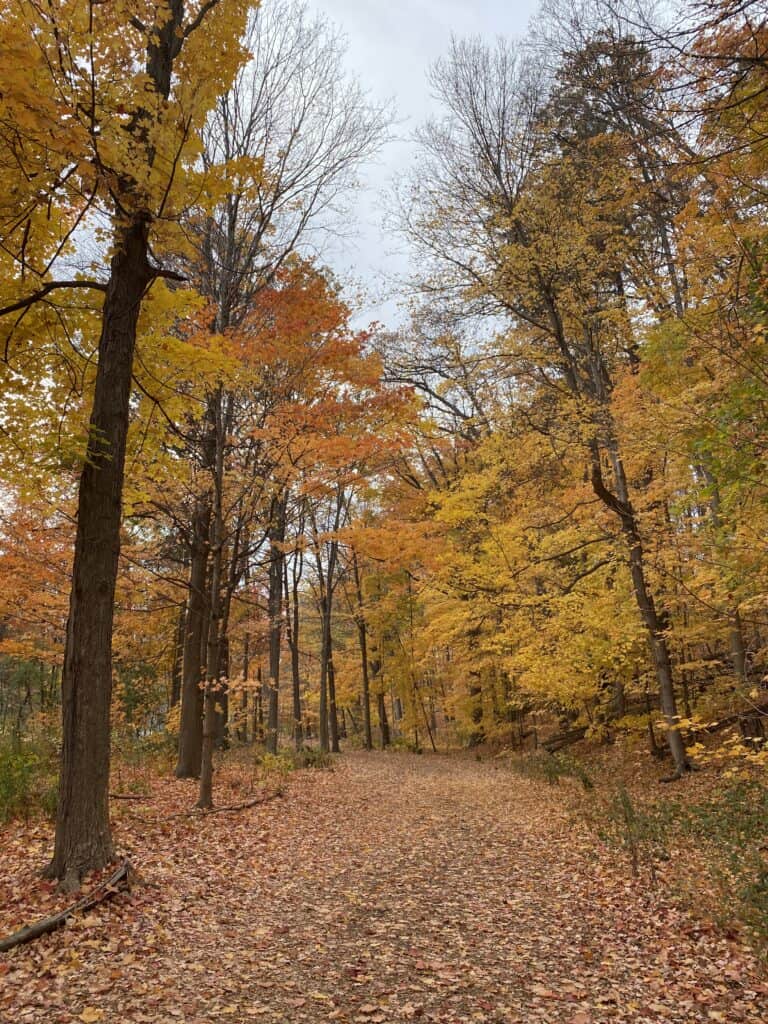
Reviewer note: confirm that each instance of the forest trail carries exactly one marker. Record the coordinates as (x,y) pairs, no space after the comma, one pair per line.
(394,888)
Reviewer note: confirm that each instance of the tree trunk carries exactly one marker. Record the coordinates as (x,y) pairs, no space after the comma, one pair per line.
(657,641)
(83,840)
(381,704)
(205,793)
(323,708)
(178,655)
(362,634)
(275,612)
(292,625)
(333,718)
(383,720)
(242,728)
(738,648)
(191,722)
(213,685)
(258,708)
(477,735)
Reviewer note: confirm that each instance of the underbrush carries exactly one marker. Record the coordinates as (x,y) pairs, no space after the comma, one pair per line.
(28,782)
(293,760)
(712,844)
(705,838)
(551,768)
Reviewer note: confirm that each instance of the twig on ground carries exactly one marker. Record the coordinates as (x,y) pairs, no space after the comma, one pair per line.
(120,879)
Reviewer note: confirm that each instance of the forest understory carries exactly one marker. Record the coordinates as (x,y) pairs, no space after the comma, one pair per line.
(390,888)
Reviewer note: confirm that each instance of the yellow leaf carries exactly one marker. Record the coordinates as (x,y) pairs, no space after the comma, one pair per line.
(90,1015)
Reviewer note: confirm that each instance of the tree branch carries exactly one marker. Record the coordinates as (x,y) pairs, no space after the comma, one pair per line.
(197,20)
(30,300)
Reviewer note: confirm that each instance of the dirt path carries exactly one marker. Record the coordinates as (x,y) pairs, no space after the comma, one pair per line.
(395,888)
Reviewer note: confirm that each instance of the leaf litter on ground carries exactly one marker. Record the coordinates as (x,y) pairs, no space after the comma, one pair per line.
(395,888)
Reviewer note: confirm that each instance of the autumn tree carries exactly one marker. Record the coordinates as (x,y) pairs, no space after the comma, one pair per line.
(104,112)
(293,128)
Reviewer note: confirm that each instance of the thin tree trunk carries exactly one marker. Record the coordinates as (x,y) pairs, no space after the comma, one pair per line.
(381,707)
(242,729)
(657,640)
(212,693)
(326,582)
(333,718)
(191,721)
(275,611)
(362,634)
(323,707)
(381,703)
(738,648)
(178,654)
(258,708)
(292,625)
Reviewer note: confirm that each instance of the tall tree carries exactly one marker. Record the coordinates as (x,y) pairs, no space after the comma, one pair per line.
(125,146)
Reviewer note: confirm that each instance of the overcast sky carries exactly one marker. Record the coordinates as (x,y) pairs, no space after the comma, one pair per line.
(392,43)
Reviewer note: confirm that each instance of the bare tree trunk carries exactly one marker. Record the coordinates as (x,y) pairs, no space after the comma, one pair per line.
(738,648)
(178,654)
(476,710)
(292,625)
(83,840)
(242,729)
(212,691)
(381,703)
(333,718)
(275,610)
(191,721)
(362,634)
(324,658)
(258,709)
(327,708)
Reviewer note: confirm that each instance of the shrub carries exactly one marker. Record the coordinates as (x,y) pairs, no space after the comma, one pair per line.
(552,768)
(27,781)
(310,757)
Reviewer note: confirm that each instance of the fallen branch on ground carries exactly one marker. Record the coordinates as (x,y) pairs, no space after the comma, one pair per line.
(249,803)
(197,812)
(115,883)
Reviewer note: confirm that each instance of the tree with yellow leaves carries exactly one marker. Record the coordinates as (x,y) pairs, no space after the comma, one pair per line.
(103,111)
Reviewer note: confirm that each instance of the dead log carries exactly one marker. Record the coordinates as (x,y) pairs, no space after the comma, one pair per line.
(753,714)
(105,890)
(564,739)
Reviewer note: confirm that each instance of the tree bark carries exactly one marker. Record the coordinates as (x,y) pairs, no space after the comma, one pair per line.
(381,703)
(657,641)
(333,717)
(213,684)
(362,634)
(83,840)
(275,611)
(191,722)
(178,655)
(292,626)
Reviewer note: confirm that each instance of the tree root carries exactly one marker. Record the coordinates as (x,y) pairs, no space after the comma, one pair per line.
(119,880)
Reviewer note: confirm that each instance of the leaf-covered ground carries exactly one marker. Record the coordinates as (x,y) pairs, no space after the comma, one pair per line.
(395,888)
